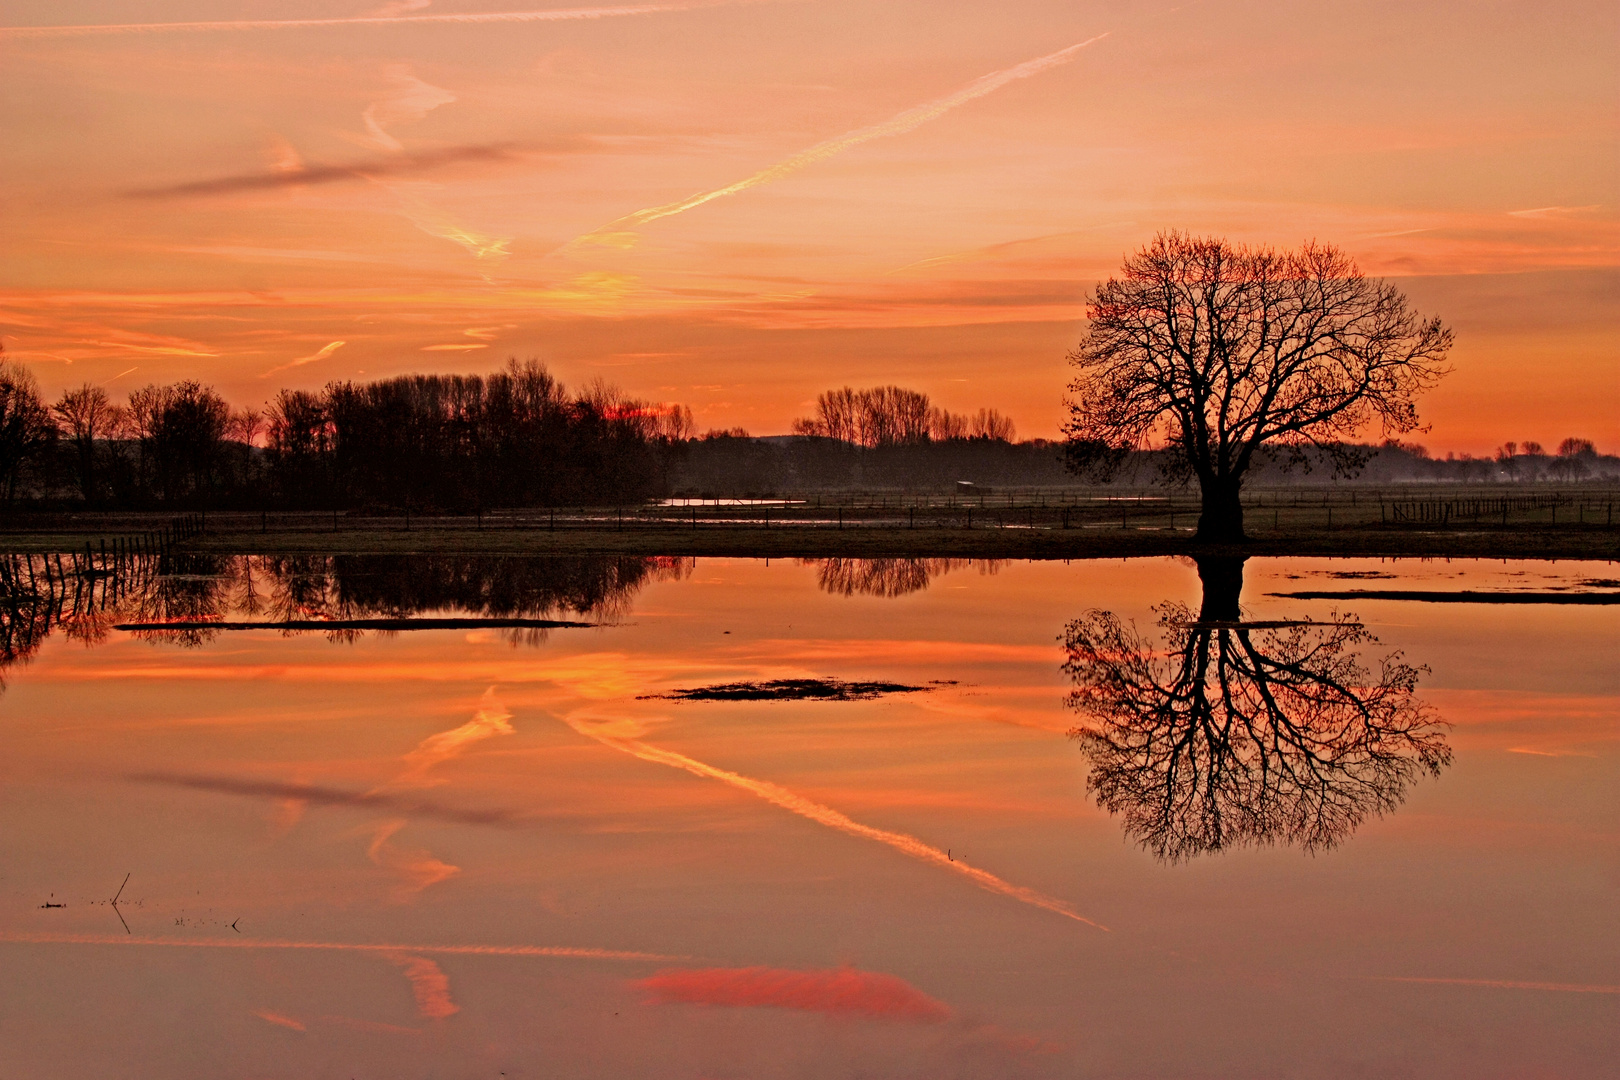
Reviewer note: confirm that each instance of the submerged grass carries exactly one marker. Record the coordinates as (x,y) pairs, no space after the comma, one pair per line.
(792,690)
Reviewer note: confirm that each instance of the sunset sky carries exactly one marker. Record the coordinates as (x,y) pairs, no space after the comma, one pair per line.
(739,204)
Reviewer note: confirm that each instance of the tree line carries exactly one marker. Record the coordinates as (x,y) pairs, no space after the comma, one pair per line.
(894,416)
(517,437)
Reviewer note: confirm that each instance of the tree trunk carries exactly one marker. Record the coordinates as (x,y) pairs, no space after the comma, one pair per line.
(1222,579)
(1220,518)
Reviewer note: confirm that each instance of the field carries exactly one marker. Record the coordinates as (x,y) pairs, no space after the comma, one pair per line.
(1471,522)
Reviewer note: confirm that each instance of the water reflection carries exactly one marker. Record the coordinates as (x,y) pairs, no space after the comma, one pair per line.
(889,577)
(1225,733)
(189,599)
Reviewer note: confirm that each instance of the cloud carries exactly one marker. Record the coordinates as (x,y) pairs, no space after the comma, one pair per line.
(435,222)
(401,165)
(429,984)
(320,354)
(554,951)
(401,7)
(844,991)
(1553,211)
(464,19)
(615,232)
(327,796)
(415,867)
(490,720)
(276,1018)
(408,99)
(608,734)
(1509,984)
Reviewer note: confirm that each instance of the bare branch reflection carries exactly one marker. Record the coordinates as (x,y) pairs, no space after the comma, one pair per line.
(889,578)
(1224,734)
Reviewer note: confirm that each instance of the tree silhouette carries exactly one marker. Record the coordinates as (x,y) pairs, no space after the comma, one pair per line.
(87,415)
(1229,734)
(25,424)
(1220,350)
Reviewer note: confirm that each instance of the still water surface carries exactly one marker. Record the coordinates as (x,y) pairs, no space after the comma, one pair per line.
(502,850)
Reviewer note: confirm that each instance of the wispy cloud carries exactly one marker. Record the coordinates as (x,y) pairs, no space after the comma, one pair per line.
(550,951)
(1553,211)
(429,985)
(320,354)
(842,991)
(329,796)
(400,165)
(279,1020)
(490,720)
(464,19)
(416,868)
(435,222)
(408,98)
(896,125)
(617,734)
(1506,984)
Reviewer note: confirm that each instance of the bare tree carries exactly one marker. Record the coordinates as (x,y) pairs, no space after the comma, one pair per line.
(1227,734)
(990,424)
(86,415)
(895,416)
(1219,350)
(25,423)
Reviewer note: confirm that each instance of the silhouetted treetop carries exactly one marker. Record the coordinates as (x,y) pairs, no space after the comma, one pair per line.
(1218,349)
(894,416)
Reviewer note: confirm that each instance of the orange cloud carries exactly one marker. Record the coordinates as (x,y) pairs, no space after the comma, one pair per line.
(490,720)
(1509,984)
(409,98)
(279,1020)
(429,984)
(319,354)
(615,235)
(469,18)
(612,733)
(416,868)
(559,951)
(842,991)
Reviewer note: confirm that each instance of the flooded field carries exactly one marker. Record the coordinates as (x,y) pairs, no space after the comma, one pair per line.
(374,816)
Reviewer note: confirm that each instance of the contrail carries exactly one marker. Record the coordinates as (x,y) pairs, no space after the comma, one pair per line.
(1505,984)
(26,937)
(557,15)
(897,125)
(826,815)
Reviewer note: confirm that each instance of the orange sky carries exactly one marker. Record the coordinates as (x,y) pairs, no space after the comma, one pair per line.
(911,192)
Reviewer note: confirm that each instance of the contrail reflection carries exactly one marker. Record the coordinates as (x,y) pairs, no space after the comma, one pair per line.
(555,15)
(826,815)
(25,937)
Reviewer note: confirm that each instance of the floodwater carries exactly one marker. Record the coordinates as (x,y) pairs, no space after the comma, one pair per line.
(502,850)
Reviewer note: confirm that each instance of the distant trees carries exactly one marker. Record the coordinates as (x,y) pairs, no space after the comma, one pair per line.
(181,430)
(514,438)
(1219,350)
(25,423)
(894,416)
(87,417)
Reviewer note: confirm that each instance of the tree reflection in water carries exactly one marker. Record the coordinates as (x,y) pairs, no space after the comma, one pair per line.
(889,578)
(37,597)
(1230,733)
